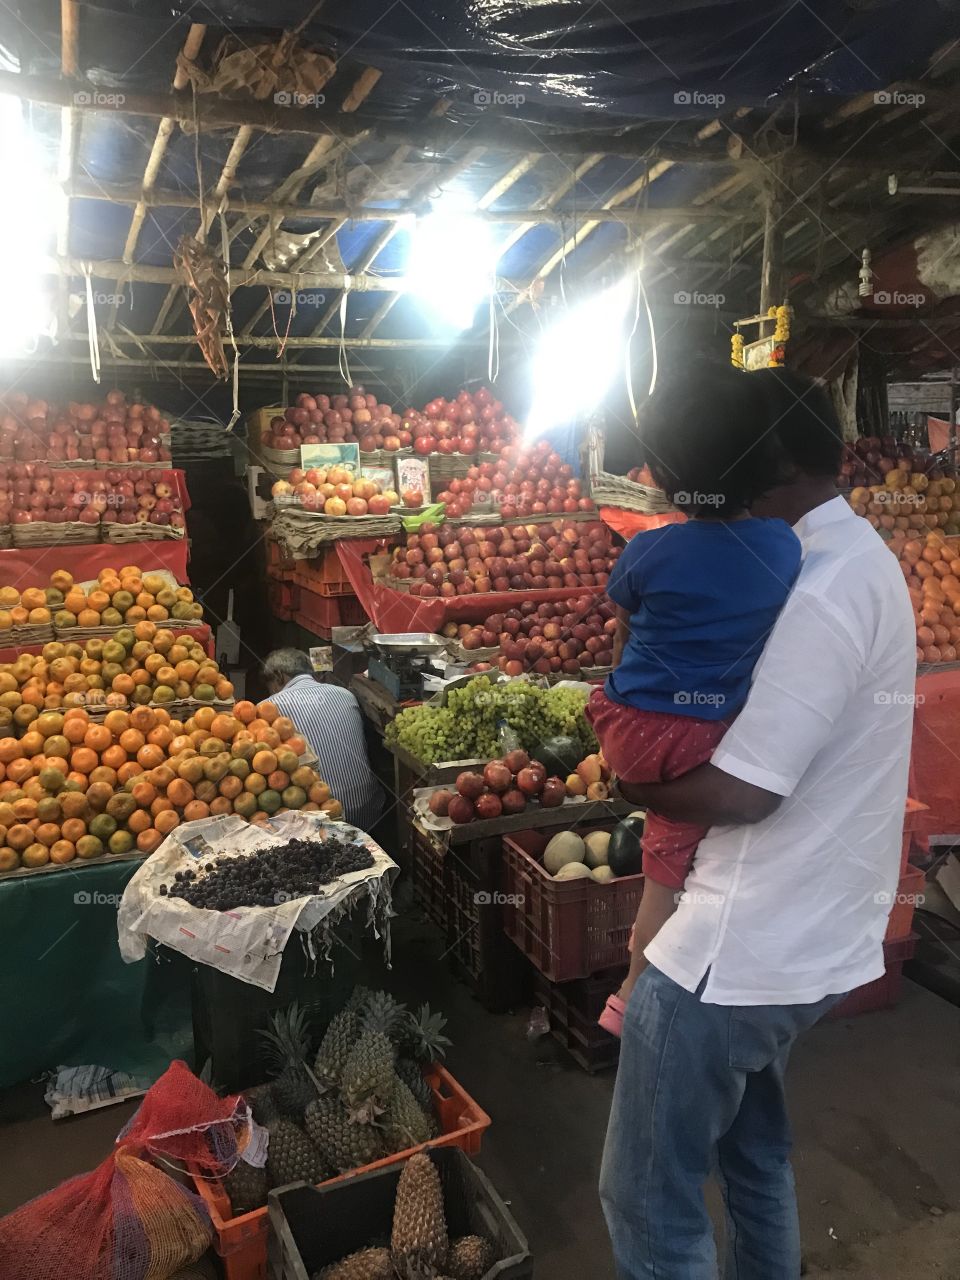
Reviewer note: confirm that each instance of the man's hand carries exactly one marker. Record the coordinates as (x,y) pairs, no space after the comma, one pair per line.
(705,795)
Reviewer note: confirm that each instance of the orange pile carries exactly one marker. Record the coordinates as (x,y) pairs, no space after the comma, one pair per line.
(910,501)
(931,567)
(128,595)
(72,788)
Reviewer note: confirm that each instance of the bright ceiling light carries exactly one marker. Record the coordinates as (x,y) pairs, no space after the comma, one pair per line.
(451,265)
(25,233)
(578,357)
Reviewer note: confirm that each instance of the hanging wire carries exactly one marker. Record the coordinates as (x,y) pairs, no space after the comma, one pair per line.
(93,343)
(225,251)
(653,338)
(343,359)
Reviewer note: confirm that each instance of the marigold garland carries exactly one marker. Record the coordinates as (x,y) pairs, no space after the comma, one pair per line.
(736,350)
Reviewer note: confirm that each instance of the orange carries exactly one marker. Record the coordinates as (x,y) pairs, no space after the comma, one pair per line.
(144,793)
(84,760)
(180,743)
(114,757)
(278,780)
(162,714)
(10,749)
(285,727)
(116,722)
(224,727)
(19,770)
(73,828)
(48,833)
(267,711)
(264,762)
(161,736)
(33,743)
(138,821)
(150,756)
(160,805)
(180,792)
(124,684)
(98,737)
(245,712)
(165,821)
(269,737)
(143,718)
(98,794)
(131,740)
(223,689)
(204,716)
(144,630)
(131,769)
(148,840)
(230,786)
(194,810)
(75,729)
(25,809)
(221,805)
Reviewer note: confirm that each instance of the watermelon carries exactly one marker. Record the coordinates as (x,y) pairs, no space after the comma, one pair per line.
(560,755)
(624,855)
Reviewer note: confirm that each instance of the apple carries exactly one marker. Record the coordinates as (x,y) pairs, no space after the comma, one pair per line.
(335,506)
(413,498)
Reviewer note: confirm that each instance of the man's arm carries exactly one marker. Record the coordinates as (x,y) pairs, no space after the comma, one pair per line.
(705,795)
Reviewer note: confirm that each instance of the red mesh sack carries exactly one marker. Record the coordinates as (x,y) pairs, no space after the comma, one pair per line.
(128,1219)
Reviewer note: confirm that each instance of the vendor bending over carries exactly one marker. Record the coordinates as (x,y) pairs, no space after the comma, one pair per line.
(330,719)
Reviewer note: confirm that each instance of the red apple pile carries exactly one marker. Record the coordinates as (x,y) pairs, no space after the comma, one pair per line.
(32,430)
(460,561)
(536,481)
(323,419)
(333,491)
(474,422)
(506,786)
(870,459)
(32,491)
(568,637)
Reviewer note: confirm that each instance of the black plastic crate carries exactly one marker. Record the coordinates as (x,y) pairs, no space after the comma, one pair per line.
(310,1227)
(477,946)
(573,1009)
(426,873)
(228,1013)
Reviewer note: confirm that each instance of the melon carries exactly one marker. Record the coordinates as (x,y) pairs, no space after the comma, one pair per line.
(603,874)
(565,847)
(573,871)
(597,843)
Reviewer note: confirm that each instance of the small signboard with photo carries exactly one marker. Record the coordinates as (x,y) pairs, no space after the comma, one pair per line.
(331,455)
(413,476)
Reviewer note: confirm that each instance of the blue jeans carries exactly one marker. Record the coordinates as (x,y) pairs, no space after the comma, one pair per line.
(700,1090)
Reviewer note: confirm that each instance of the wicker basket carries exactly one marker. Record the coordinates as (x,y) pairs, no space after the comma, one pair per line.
(449,466)
(616,491)
(383,457)
(6,537)
(279,457)
(124,533)
(39,633)
(43,533)
(76,464)
(82,634)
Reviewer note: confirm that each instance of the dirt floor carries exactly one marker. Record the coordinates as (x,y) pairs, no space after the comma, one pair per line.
(875,1103)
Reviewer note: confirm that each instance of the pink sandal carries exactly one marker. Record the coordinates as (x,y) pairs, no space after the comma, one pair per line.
(613,1011)
(612,1017)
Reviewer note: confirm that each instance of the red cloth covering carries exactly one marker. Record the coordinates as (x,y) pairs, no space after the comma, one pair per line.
(935,761)
(627,523)
(397,611)
(32,566)
(203,633)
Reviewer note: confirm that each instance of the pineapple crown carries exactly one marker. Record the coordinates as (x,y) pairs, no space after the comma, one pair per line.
(424,1034)
(383,1013)
(287,1038)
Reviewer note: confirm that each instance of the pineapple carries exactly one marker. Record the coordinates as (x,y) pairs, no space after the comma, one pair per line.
(366,1264)
(418,1243)
(262,1104)
(404,1122)
(343,1144)
(471,1257)
(384,1014)
(423,1035)
(411,1075)
(246,1186)
(369,1077)
(292,1157)
(339,1038)
(358,1000)
(287,1046)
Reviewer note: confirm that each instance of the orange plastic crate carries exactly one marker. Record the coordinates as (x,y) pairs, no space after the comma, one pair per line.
(567,928)
(323,574)
(915,819)
(242,1242)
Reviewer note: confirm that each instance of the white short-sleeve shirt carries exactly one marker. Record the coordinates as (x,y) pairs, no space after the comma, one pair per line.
(794,908)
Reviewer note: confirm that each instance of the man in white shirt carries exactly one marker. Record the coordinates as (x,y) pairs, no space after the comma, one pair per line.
(787,903)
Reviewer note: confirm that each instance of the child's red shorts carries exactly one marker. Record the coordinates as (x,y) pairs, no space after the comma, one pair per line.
(655,746)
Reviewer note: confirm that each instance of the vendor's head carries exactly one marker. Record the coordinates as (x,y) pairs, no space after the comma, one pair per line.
(707,438)
(283,665)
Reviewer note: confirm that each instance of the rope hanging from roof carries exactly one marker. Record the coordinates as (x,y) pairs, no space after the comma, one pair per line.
(201,272)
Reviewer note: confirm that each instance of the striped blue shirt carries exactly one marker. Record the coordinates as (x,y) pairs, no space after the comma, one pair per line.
(330,719)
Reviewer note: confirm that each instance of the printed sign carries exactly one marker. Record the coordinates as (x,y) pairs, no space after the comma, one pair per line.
(413,475)
(331,455)
(322,657)
(383,476)
(756,355)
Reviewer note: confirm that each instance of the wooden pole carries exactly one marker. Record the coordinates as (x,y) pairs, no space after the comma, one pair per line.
(771,266)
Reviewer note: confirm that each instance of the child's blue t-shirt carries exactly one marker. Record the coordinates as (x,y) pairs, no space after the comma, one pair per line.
(702,598)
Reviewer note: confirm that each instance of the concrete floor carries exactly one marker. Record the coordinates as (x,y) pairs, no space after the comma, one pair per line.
(875,1103)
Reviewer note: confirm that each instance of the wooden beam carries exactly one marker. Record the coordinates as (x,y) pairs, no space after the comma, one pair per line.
(539,215)
(771,266)
(220,112)
(69,132)
(306,279)
(191,47)
(267,341)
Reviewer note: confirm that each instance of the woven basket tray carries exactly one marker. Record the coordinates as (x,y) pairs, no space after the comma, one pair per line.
(6,536)
(20,637)
(449,466)
(615,491)
(124,533)
(383,457)
(75,464)
(82,634)
(42,533)
(280,457)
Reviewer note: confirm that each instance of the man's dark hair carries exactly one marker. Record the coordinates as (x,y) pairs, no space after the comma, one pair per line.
(708,437)
(803,416)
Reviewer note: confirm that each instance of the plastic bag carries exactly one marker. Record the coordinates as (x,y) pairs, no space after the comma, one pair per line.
(128,1219)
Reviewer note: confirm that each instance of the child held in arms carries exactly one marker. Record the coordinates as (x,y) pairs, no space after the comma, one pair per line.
(695,603)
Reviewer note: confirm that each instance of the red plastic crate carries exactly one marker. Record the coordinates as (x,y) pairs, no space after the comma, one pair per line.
(323,574)
(242,1242)
(280,566)
(884,992)
(914,820)
(321,614)
(567,928)
(909,896)
(282,599)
